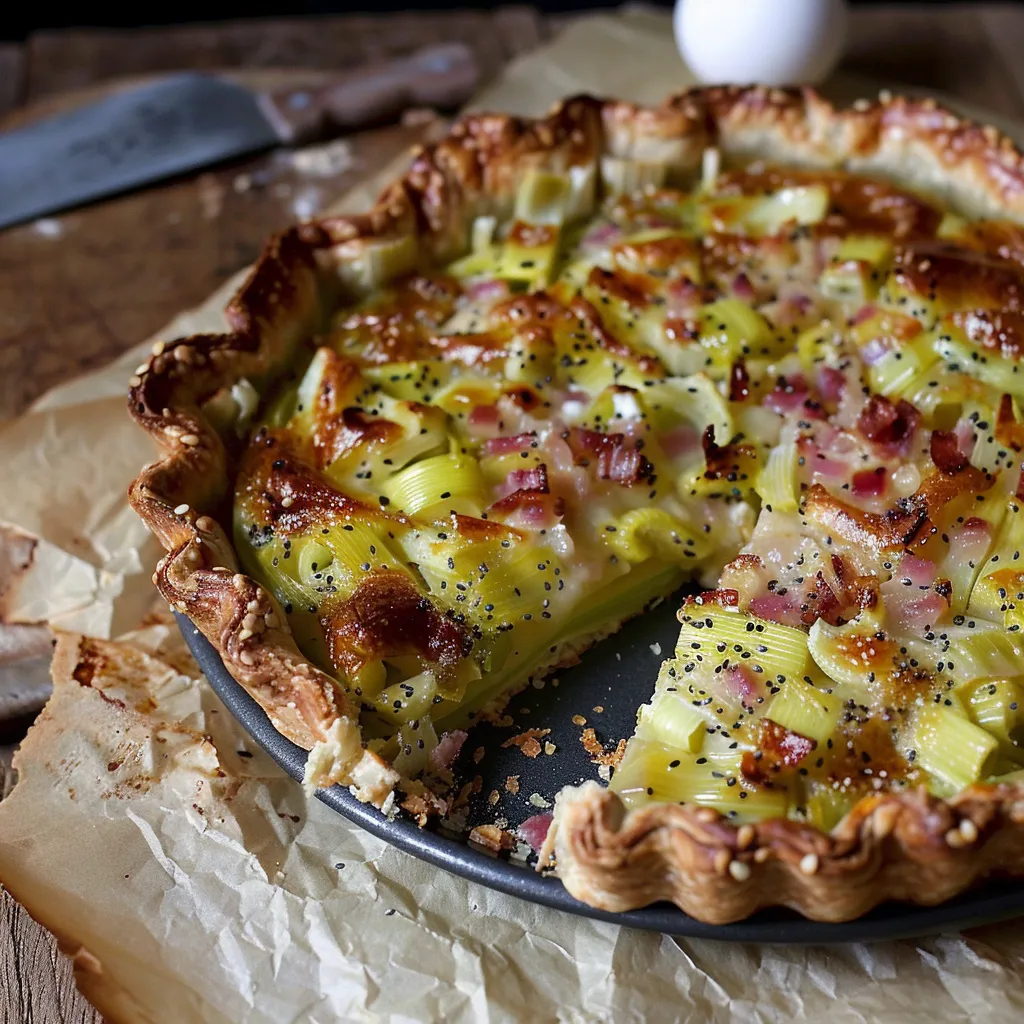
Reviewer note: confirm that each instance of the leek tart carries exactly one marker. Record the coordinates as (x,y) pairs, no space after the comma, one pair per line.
(743,341)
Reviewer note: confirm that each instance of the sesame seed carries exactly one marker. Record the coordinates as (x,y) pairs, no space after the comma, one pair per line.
(739,870)
(809,863)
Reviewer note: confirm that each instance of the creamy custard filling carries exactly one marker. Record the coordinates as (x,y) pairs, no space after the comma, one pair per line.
(797,388)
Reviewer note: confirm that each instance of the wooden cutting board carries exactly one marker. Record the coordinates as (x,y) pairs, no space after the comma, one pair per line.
(78,288)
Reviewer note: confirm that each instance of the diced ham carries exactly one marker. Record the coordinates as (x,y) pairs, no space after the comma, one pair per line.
(776,607)
(528,510)
(488,291)
(916,611)
(919,571)
(535,829)
(680,440)
(601,236)
(970,542)
(742,684)
(913,599)
(831,384)
(863,314)
(888,425)
(509,445)
(789,394)
(743,289)
(966,436)
(484,422)
(818,463)
(869,483)
(611,455)
(533,479)
(874,351)
(946,453)
(447,750)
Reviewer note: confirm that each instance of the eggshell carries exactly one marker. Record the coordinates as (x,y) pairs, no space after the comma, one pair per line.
(774,42)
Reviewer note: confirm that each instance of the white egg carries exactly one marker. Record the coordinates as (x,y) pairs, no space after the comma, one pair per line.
(774,42)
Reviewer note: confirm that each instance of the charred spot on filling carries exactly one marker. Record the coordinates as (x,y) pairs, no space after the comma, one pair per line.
(618,286)
(778,748)
(946,454)
(837,604)
(395,325)
(723,462)
(739,382)
(388,617)
(351,428)
(281,491)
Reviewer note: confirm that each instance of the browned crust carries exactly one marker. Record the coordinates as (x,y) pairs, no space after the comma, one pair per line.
(907,846)
(900,846)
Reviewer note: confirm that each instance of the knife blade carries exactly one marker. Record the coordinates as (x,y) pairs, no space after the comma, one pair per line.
(191,120)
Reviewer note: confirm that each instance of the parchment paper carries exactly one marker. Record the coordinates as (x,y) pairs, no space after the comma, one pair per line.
(193,881)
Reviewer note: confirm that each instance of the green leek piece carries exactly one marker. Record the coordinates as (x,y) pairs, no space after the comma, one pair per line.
(803,709)
(950,747)
(777,482)
(713,635)
(436,484)
(653,773)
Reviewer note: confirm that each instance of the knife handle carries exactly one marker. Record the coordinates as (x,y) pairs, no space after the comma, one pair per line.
(437,76)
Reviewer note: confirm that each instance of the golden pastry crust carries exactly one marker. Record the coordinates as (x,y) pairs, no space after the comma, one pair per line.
(906,847)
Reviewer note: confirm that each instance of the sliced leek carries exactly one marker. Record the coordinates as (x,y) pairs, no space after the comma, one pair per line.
(777,482)
(644,533)
(805,710)
(950,747)
(437,484)
(715,635)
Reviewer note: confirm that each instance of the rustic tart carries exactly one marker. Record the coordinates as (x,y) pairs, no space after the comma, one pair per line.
(742,340)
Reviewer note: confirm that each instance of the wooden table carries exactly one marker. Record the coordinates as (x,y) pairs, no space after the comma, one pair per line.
(78,290)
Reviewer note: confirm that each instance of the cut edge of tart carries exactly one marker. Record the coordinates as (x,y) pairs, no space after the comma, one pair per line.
(907,845)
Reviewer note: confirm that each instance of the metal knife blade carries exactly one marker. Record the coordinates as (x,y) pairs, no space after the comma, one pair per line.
(191,120)
(141,135)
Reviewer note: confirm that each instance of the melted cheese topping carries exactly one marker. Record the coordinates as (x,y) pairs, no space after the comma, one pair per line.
(798,388)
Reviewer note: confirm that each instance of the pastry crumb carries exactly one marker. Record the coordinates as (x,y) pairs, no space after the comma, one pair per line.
(478,755)
(538,801)
(656,650)
(528,742)
(549,748)
(592,745)
(598,708)
(493,797)
(493,838)
(605,772)
(578,720)
(512,784)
